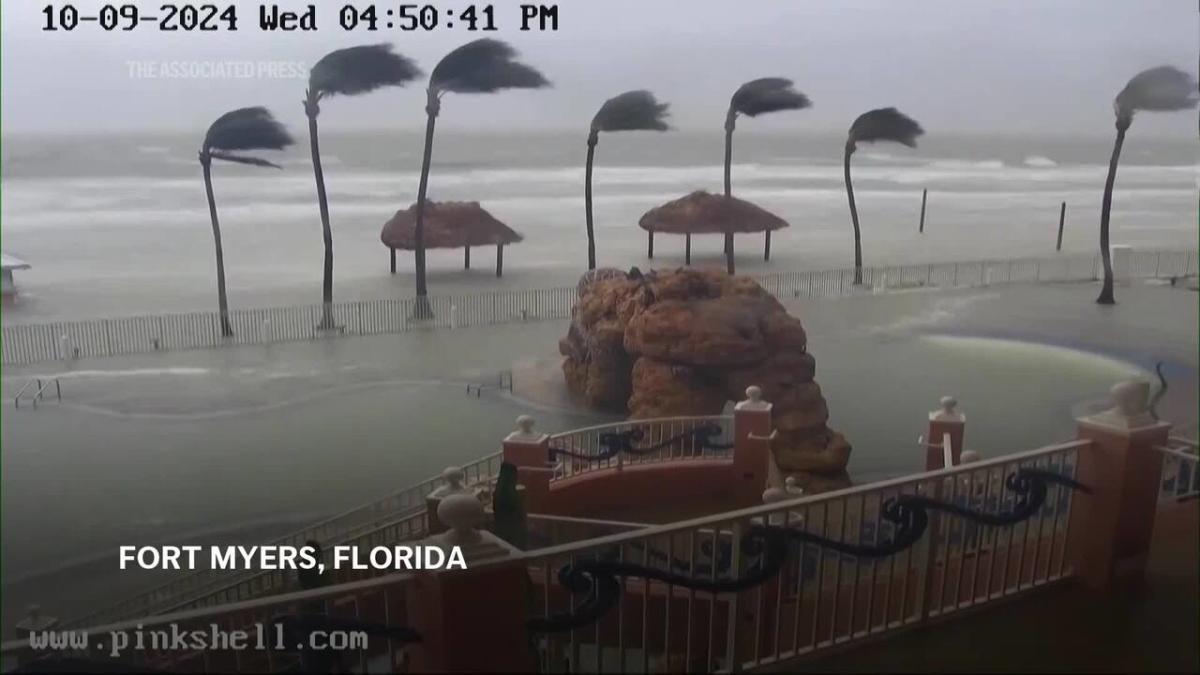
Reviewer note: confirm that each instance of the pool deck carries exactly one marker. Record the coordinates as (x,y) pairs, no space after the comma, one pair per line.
(1149,628)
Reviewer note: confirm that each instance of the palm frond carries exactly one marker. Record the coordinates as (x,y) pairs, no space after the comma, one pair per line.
(1161,89)
(766,95)
(484,66)
(247,129)
(632,111)
(359,70)
(885,124)
(241,159)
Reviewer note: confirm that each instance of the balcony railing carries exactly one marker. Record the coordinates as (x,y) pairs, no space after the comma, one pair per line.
(1181,469)
(665,439)
(822,597)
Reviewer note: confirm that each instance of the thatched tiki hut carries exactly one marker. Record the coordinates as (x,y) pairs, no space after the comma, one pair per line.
(449,225)
(705,213)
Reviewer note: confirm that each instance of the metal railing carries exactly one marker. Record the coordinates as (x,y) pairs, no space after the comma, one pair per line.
(1181,469)
(39,391)
(207,586)
(34,343)
(381,601)
(821,598)
(587,445)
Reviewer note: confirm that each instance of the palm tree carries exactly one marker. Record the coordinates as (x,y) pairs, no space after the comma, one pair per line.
(479,67)
(881,124)
(346,72)
(754,98)
(241,129)
(1158,89)
(632,111)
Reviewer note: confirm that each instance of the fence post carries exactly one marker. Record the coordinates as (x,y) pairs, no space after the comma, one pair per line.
(1111,527)
(529,451)
(752,435)
(944,420)
(454,485)
(471,620)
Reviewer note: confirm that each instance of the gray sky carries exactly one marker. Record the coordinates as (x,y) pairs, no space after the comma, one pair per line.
(956,65)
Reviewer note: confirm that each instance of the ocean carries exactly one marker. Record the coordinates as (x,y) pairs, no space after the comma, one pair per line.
(118,225)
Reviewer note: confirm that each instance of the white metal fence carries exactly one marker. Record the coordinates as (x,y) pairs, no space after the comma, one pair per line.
(33,343)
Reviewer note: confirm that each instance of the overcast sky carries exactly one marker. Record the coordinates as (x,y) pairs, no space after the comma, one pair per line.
(980,65)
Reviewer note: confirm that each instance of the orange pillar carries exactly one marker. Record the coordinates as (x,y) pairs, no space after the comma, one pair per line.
(1111,527)
(945,420)
(529,451)
(752,434)
(471,620)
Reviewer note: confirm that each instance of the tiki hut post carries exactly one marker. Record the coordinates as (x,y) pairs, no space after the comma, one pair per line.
(393,252)
(687,249)
(499,260)
(767,246)
(650,244)
(467,257)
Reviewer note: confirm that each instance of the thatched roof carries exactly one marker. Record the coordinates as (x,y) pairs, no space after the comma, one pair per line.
(705,213)
(447,225)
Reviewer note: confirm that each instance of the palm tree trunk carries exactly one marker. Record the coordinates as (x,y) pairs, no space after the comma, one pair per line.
(853,218)
(1106,291)
(422,310)
(729,126)
(587,198)
(222,300)
(310,107)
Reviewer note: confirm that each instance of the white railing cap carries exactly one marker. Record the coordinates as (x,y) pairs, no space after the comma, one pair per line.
(524,432)
(754,400)
(948,411)
(1130,408)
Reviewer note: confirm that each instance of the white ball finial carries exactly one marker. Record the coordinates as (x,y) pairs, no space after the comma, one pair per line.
(754,393)
(948,404)
(525,424)
(773,494)
(968,457)
(453,476)
(789,484)
(462,514)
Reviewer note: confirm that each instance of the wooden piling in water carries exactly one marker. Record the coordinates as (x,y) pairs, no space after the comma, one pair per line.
(767,247)
(1062,217)
(393,251)
(499,260)
(924,195)
(466,257)
(650,244)
(687,250)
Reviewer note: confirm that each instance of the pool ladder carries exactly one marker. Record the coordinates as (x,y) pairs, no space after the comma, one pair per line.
(39,391)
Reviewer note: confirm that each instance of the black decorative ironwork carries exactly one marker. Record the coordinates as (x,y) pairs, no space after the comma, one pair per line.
(617,442)
(768,547)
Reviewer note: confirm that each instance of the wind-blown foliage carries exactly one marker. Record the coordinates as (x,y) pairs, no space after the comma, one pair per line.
(754,98)
(766,95)
(360,70)
(345,72)
(236,131)
(480,67)
(632,111)
(885,124)
(881,124)
(636,110)
(245,129)
(1160,89)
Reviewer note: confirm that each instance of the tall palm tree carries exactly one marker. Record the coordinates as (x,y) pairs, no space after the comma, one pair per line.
(479,67)
(881,124)
(632,111)
(754,98)
(346,72)
(237,130)
(1158,89)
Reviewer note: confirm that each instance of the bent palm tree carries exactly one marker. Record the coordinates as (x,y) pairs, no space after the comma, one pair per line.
(881,124)
(345,72)
(241,129)
(754,98)
(631,111)
(1158,89)
(480,67)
